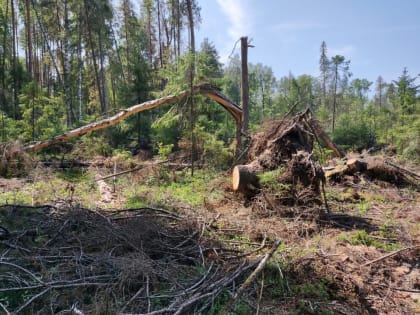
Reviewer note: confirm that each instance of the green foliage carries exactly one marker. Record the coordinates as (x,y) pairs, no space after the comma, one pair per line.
(322,154)
(354,135)
(90,146)
(136,202)
(166,129)
(14,299)
(41,114)
(213,152)
(178,187)
(10,128)
(164,150)
(311,290)
(363,207)
(361,237)
(190,190)
(270,180)
(220,303)
(73,175)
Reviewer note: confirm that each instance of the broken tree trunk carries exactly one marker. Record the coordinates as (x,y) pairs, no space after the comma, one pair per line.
(205,89)
(321,134)
(374,167)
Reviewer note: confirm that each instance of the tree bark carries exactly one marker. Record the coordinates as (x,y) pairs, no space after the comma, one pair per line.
(79,69)
(66,66)
(245,180)
(335,96)
(93,55)
(14,60)
(245,85)
(159,34)
(321,134)
(191,79)
(50,51)
(204,89)
(29,38)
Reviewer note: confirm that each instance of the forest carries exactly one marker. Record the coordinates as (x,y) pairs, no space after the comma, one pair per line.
(141,217)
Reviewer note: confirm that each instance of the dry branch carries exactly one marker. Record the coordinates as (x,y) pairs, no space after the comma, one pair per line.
(416,176)
(251,278)
(205,89)
(389,255)
(125,260)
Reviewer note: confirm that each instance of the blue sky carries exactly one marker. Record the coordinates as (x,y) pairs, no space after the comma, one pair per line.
(380,37)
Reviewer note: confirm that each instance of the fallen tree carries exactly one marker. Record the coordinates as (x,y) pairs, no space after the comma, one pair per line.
(374,168)
(291,142)
(204,89)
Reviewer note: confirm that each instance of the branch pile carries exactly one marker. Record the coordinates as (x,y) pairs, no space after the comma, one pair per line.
(145,260)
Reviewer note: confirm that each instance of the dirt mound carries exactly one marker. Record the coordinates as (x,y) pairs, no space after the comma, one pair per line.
(276,145)
(379,287)
(288,145)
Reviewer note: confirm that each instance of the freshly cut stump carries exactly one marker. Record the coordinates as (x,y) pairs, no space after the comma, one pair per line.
(245,180)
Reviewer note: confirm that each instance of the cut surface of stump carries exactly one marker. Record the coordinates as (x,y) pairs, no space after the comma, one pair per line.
(244,180)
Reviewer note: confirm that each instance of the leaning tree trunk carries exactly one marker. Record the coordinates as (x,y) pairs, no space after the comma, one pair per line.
(205,89)
(321,134)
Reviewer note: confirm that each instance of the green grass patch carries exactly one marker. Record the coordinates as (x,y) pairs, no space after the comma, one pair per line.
(269,180)
(137,201)
(73,175)
(363,207)
(219,304)
(311,290)
(180,187)
(20,197)
(361,237)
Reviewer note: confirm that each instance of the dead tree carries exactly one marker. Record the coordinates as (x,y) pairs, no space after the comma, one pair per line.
(205,89)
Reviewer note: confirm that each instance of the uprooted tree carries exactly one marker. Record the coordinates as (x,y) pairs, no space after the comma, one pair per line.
(290,143)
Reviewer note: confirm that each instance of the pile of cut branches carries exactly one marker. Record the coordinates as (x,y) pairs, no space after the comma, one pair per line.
(58,259)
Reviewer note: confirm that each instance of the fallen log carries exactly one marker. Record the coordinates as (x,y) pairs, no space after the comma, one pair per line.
(374,167)
(205,89)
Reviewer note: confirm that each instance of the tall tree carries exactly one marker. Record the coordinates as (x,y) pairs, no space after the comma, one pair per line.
(28,28)
(407,91)
(191,34)
(244,84)
(380,91)
(324,66)
(340,71)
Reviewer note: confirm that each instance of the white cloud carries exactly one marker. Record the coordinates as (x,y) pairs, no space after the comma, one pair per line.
(295,26)
(346,50)
(239,19)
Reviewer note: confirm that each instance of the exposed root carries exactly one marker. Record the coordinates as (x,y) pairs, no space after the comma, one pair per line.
(14,161)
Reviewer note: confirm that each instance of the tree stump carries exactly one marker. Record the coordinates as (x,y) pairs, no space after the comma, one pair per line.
(245,180)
